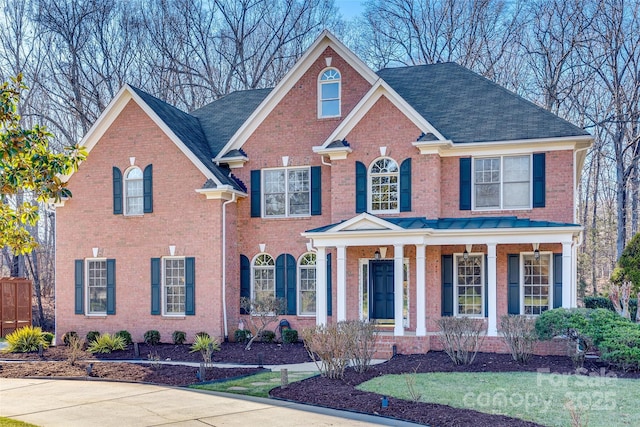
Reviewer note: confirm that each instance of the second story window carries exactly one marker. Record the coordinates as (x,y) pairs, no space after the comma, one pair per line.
(329,93)
(502,182)
(384,184)
(133,187)
(286,192)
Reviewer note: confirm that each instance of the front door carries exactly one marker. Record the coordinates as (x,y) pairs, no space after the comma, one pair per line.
(381,289)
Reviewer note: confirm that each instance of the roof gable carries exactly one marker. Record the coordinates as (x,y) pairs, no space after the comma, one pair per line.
(466,107)
(326,39)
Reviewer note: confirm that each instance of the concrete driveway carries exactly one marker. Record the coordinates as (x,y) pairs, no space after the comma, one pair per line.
(98,403)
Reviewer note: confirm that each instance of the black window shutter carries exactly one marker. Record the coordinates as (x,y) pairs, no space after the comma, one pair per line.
(148,189)
(291,284)
(281,276)
(361,187)
(557,280)
(447,285)
(465,183)
(79,286)
(256,210)
(329,304)
(405,186)
(155,285)
(111,286)
(316,190)
(513,277)
(245,280)
(190,286)
(486,285)
(117,191)
(539,180)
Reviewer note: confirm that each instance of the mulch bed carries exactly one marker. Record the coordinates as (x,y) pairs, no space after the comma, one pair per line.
(339,394)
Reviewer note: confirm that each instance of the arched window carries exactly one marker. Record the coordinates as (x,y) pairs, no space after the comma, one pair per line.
(264,277)
(307,284)
(383,182)
(329,93)
(133,190)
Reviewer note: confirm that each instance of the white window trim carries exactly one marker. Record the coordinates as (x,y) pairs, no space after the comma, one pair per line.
(550,281)
(482,288)
(501,207)
(299,285)
(87,301)
(253,266)
(320,83)
(163,291)
(125,201)
(286,199)
(370,189)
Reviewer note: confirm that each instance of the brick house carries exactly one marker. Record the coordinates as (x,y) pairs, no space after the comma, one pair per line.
(398,196)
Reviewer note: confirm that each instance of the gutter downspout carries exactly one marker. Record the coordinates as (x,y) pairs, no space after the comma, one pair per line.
(224,265)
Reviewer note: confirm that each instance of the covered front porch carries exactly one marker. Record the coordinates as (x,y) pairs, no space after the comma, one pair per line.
(401,272)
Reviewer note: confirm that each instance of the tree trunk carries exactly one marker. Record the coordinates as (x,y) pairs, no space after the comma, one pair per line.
(594,222)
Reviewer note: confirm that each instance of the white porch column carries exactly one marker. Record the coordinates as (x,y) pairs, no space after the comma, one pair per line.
(321,286)
(492,326)
(421,313)
(341,270)
(398,276)
(567,272)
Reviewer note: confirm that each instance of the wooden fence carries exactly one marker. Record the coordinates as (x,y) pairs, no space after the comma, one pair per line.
(15,304)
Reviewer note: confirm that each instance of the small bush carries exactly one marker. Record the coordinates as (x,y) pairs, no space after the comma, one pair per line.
(48,337)
(25,339)
(289,336)
(206,346)
(461,338)
(363,340)
(106,343)
(621,347)
(179,337)
(519,333)
(75,347)
(267,336)
(203,334)
(92,336)
(604,302)
(152,337)
(242,335)
(66,338)
(329,348)
(126,336)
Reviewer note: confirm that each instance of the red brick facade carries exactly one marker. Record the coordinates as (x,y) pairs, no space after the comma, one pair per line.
(194,225)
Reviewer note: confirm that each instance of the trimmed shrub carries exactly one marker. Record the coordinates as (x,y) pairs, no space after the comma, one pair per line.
(92,336)
(242,335)
(621,347)
(289,336)
(461,338)
(126,336)
(267,336)
(48,337)
(206,346)
(25,339)
(152,337)
(106,343)
(557,322)
(68,336)
(604,302)
(519,333)
(179,337)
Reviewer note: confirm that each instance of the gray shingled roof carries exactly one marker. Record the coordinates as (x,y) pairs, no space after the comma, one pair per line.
(188,129)
(466,107)
(476,223)
(223,117)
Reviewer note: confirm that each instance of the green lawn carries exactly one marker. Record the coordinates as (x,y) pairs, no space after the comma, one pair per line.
(255,385)
(601,401)
(8,422)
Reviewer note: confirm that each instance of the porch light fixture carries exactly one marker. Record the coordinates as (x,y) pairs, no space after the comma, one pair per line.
(536,251)
(467,249)
(376,255)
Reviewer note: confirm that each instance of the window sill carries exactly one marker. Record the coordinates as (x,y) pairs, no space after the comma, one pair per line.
(287,218)
(133,215)
(96,316)
(500,211)
(174,317)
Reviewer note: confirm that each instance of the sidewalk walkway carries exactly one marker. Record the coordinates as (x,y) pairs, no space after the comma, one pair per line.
(71,403)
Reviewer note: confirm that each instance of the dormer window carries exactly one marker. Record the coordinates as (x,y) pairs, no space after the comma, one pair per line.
(329,93)
(134,197)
